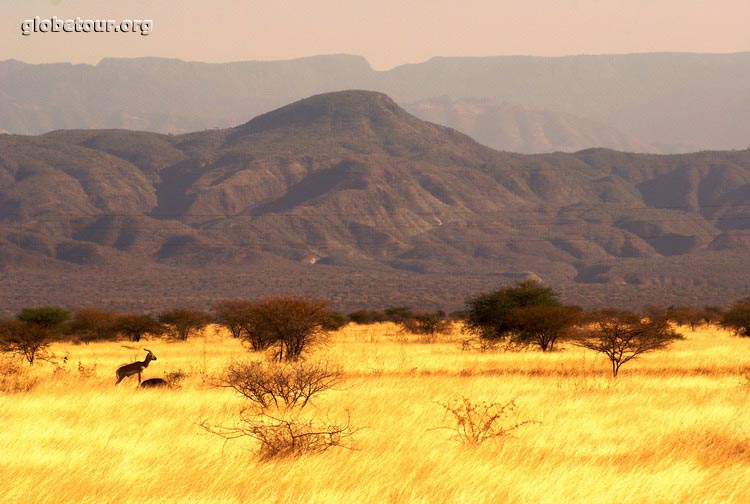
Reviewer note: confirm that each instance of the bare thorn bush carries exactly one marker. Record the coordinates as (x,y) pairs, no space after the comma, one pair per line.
(277,394)
(282,386)
(476,422)
(284,435)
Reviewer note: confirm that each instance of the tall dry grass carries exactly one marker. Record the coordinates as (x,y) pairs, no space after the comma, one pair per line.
(674,427)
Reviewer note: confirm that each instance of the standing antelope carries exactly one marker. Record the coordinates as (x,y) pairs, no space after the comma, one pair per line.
(136,367)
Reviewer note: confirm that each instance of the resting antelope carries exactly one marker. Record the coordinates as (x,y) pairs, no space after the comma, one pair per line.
(136,367)
(154,383)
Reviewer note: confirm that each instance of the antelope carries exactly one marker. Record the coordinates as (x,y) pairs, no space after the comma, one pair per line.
(154,383)
(136,367)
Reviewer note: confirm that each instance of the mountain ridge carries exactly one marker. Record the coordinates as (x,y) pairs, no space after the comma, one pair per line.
(348,187)
(668,102)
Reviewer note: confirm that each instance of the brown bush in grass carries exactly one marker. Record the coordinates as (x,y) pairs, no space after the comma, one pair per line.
(278,394)
(281,435)
(174,378)
(477,422)
(291,324)
(282,386)
(14,377)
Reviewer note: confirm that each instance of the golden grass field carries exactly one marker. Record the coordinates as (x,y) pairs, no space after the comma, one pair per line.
(673,428)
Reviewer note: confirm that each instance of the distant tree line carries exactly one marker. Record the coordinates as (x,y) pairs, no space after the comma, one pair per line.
(531,314)
(525,314)
(287,324)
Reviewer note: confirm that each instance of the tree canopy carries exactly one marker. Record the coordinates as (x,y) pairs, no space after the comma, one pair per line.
(624,335)
(737,317)
(491,316)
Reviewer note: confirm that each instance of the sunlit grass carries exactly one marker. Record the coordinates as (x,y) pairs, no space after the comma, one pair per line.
(674,427)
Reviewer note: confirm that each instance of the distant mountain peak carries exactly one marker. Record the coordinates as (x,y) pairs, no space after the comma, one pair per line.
(336,111)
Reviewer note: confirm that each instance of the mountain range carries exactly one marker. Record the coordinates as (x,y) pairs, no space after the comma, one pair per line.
(348,196)
(660,102)
(514,128)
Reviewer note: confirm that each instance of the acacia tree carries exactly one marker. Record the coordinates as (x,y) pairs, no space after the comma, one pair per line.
(398,314)
(32,332)
(335,321)
(183,321)
(365,317)
(91,324)
(293,323)
(136,327)
(491,316)
(712,314)
(686,316)
(427,323)
(542,325)
(233,314)
(623,335)
(737,318)
(27,340)
(48,317)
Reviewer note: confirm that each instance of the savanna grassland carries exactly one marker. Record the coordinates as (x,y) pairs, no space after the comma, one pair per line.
(673,427)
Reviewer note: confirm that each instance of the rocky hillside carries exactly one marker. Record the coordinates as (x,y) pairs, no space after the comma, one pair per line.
(347,189)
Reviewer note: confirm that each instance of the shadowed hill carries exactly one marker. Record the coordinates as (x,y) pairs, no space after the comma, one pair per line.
(346,190)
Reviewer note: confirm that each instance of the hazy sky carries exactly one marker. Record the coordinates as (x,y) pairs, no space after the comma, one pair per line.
(386,32)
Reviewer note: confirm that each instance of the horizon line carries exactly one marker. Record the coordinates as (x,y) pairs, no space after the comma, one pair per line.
(369,64)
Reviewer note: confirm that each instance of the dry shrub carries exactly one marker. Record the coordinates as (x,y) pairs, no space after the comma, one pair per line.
(175,377)
(14,377)
(427,325)
(277,394)
(285,435)
(475,423)
(277,385)
(86,371)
